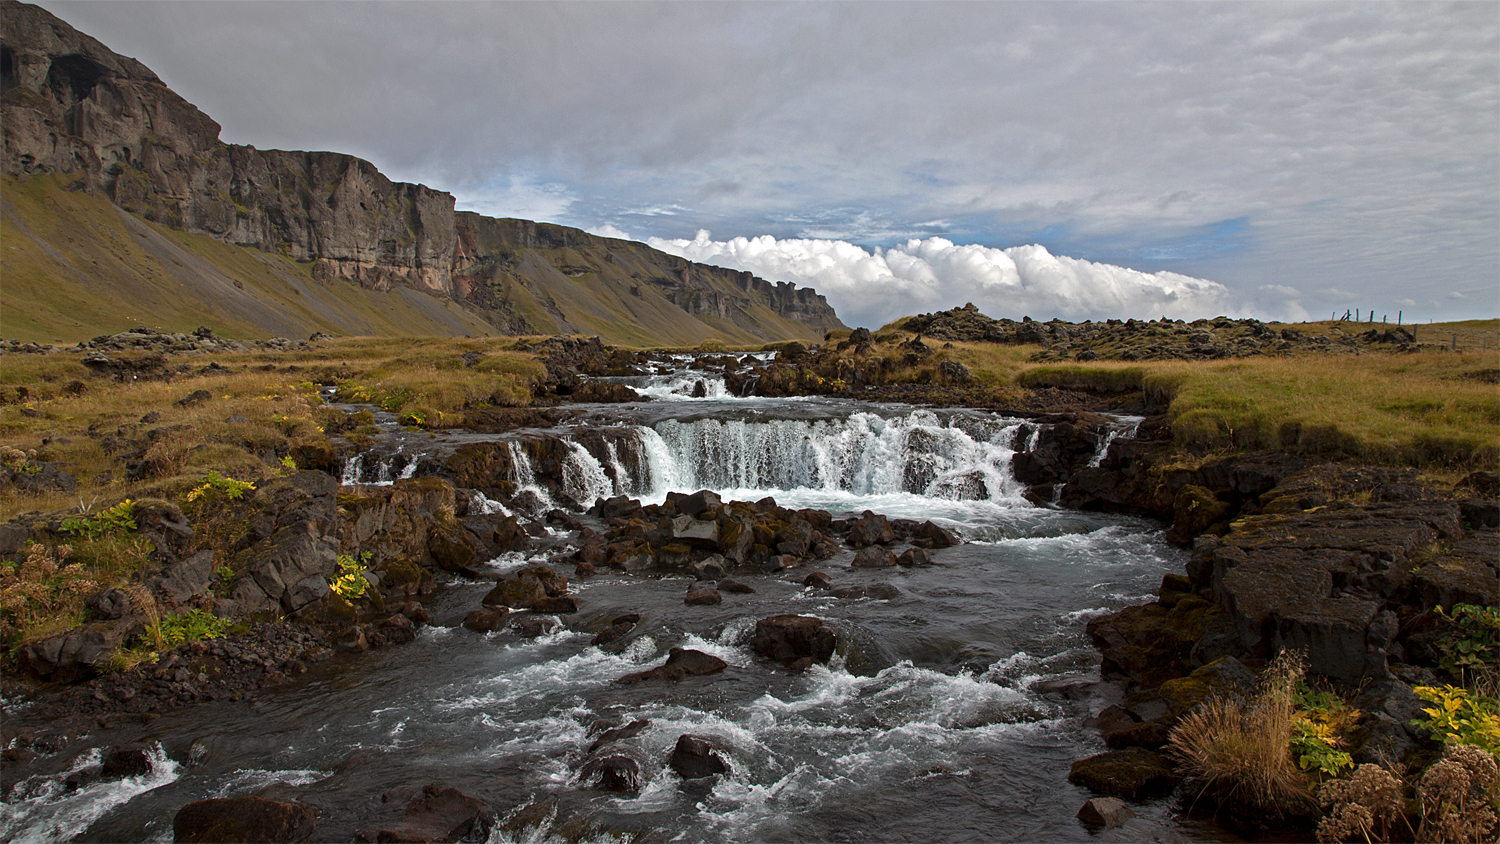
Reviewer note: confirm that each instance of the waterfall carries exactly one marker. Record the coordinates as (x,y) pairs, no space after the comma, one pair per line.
(865,454)
(482,505)
(524,477)
(385,469)
(583,477)
(1125,426)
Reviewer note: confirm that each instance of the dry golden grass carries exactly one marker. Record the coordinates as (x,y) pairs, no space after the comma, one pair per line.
(1435,409)
(254,414)
(1427,409)
(1241,752)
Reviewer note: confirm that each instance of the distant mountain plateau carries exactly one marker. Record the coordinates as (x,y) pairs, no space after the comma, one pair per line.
(119,206)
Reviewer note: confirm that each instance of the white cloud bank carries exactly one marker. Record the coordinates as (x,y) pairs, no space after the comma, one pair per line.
(873,288)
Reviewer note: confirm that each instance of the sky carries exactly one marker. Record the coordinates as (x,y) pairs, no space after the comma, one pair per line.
(1080,160)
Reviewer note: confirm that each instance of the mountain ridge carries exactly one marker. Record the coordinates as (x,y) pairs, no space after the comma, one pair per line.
(104,125)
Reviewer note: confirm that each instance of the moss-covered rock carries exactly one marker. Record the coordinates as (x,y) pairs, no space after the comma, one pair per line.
(1133,774)
(1195,510)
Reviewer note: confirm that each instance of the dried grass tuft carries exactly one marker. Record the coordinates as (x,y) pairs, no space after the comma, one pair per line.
(1241,751)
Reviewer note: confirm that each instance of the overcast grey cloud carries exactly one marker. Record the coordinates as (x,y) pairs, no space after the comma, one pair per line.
(1300,158)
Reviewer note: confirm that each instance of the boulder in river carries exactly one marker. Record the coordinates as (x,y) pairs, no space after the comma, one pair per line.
(681,662)
(1108,812)
(695,757)
(439,814)
(235,819)
(874,557)
(793,639)
(1133,774)
(702,597)
(616,772)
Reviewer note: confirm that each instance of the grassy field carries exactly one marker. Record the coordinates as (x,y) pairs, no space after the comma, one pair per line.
(263,405)
(1436,409)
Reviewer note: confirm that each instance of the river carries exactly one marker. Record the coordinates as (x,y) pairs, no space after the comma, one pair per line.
(951,712)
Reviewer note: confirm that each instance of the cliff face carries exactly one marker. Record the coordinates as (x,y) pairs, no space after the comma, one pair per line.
(73,106)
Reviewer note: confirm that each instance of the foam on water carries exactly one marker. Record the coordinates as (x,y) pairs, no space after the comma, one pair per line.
(42,810)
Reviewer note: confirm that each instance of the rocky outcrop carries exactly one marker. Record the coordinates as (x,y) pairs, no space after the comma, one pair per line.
(1356,567)
(1132,339)
(73,106)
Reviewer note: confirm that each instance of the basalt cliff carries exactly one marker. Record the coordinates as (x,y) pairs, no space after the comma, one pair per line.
(117,190)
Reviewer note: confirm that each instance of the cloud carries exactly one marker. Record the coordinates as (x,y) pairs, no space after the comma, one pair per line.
(873,287)
(607,230)
(1346,145)
(522,198)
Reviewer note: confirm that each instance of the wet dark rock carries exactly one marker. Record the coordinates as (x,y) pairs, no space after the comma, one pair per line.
(933,536)
(871,529)
(1107,812)
(701,533)
(1111,719)
(914,557)
(1226,678)
(535,626)
(1134,774)
(694,757)
(711,568)
(729,584)
(612,632)
(817,580)
(397,629)
(440,814)
(452,550)
(791,638)
(1149,644)
(874,591)
(126,760)
(698,503)
(415,611)
(874,557)
(239,819)
(559,605)
(614,773)
(681,663)
(1152,735)
(614,734)
(517,593)
(702,597)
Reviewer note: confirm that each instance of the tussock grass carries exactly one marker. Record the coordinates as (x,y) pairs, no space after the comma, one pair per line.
(1241,752)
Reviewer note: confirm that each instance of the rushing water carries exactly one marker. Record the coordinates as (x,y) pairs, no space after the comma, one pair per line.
(950,713)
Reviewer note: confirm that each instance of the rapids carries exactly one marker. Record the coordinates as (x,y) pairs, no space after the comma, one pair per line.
(951,712)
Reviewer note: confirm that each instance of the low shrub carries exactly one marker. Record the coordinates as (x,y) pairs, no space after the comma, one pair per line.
(217,486)
(117,519)
(46,589)
(1460,717)
(350,584)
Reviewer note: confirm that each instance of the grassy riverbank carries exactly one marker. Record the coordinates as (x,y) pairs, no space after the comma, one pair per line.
(1435,408)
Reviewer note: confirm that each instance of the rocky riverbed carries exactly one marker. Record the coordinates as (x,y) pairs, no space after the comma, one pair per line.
(849,583)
